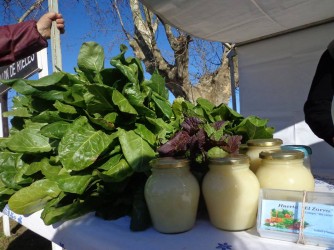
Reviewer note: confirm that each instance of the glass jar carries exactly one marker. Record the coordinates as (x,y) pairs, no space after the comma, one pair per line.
(231,193)
(305,149)
(284,169)
(172,195)
(256,146)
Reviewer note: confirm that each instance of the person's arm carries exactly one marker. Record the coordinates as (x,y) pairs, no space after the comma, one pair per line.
(23,39)
(318,107)
(19,40)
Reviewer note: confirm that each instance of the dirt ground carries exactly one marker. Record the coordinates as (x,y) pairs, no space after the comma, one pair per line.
(22,239)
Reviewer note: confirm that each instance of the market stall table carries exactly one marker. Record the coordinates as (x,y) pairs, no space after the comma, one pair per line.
(90,232)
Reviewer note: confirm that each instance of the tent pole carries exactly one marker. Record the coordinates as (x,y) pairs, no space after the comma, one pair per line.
(55,40)
(232,53)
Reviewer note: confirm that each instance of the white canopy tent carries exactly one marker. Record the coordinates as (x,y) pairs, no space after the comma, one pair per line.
(279,43)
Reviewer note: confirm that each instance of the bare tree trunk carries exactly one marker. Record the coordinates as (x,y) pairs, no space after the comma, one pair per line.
(214,86)
(212,83)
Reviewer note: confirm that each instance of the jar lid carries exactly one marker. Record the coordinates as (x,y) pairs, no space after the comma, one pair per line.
(282,154)
(305,149)
(170,162)
(243,147)
(265,142)
(230,159)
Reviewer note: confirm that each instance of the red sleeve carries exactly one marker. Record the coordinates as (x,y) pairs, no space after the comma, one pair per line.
(18,41)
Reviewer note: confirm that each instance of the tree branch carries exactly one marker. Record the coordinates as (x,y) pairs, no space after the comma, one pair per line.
(115,6)
(170,37)
(33,7)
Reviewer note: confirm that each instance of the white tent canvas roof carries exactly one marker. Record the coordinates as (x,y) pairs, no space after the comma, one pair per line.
(279,43)
(239,21)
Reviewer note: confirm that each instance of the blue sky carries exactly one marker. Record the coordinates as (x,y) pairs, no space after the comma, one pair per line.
(79,28)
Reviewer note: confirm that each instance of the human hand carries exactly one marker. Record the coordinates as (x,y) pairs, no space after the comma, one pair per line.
(45,22)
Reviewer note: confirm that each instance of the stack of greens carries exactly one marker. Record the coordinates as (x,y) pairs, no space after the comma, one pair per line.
(83,142)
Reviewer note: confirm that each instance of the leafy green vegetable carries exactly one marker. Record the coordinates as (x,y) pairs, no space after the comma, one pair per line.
(27,140)
(33,198)
(209,131)
(133,146)
(81,145)
(81,134)
(83,142)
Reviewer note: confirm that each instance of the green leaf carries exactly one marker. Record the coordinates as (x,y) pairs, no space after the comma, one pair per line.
(215,134)
(52,214)
(75,184)
(6,191)
(129,68)
(163,106)
(50,172)
(49,117)
(64,108)
(158,85)
(82,145)
(112,161)
(160,128)
(136,150)
(21,178)
(54,79)
(145,133)
(91,57)
(110,76)
(224,113)
(34,126)
(107,122)
(55,130)
(10,161)
(132,92)
(20,101)
(146,112)
(116,172)
(8,179)
(19,112)
(34,167)
(253,127)
(74,80)
(28,141)
(51,95)
(33,198)
(136,98)
(205,104)
(217,152)
(21,86)
(178,108)
(3,141)
(75,96)
(98,99)
(122,103)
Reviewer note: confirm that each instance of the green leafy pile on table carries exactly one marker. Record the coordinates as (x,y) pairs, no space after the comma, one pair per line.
(83,142)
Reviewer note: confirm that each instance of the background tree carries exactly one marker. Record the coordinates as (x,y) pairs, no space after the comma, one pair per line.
(192,67)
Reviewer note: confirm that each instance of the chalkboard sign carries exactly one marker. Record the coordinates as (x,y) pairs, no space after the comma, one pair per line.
(20,69)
